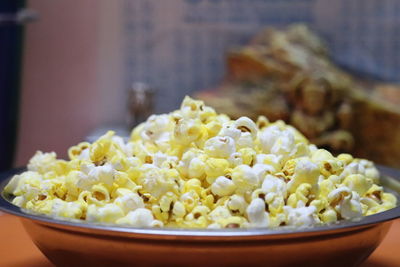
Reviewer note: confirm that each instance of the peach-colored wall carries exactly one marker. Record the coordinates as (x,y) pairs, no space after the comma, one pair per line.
(59,104)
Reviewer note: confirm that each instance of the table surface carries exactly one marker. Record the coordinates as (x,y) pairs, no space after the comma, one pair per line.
(17,249)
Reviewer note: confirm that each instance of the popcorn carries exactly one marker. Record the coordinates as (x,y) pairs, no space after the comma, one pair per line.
(304,172)
(256,213)
(107,213)
(215,167)
(328,216)
(128,201)
(140,218)
(248,156)
(47,165)
(100,192)
(270,159)
(187,131)
(261,170)
(104,174)
(194,168)
(244,178)
(273,184)
(229,129)
(246,125)
(262,122)
(277,141)
(350,207)
(219,213)
(235,159)
(223,186)
(179,209)
(358,183)
(190,200)
(301,216)
(158,128)
(220,147)
(237,204)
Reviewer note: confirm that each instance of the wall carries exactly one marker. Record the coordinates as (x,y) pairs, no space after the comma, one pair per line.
(60,95)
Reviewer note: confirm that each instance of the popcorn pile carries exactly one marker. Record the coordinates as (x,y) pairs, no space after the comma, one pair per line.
(194,168)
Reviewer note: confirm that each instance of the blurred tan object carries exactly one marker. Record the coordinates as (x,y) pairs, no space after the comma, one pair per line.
(140,103)
(288,74)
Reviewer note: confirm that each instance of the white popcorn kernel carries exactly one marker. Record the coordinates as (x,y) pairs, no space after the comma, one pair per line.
(187,157)
(261,170)
(273,184)
(346,202)
(305,172)
(244,178)
(352,168)
(139,218)
(235,159)
(219,212)
(223,186)
(187,130)
(245,141)
(12,185)
(312,148)
(237,204)
(246,125)
(358,183)
(335,196)
(129,202)
(321,155)
(256,213)
(268,137)
(19,201)
(179,209)
(270,159)
(85,154)
(119,141)
(350,207)
(109,213)
(57,207)
(214,226)
(134,161)
(301,216)
(84,181)
(196,168)
(372,173)
(157,128)
(229,129)
(41,162)
(105,173)
(276,141)
(284,145)
(159,158)
(220,147)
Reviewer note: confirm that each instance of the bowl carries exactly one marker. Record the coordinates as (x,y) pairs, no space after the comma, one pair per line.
(76,243)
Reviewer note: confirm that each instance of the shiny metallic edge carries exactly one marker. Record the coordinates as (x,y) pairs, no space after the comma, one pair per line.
(8,207)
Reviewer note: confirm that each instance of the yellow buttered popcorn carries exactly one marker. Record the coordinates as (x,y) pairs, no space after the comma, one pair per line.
(194,168)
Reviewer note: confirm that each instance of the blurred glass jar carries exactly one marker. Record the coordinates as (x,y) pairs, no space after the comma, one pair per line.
(140,103)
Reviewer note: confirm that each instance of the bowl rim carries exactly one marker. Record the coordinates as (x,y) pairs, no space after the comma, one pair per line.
(389,174)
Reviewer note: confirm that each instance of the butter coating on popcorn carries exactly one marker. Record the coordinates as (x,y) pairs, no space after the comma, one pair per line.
(194,168)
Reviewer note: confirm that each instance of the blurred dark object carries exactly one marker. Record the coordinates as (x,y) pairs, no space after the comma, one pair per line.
(140,103)
(288,74)
(20,17)
(11,35)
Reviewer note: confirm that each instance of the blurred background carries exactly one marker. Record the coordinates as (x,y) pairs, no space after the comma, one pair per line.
(67,68)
